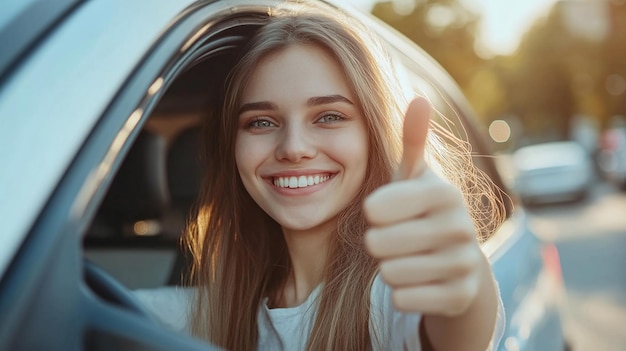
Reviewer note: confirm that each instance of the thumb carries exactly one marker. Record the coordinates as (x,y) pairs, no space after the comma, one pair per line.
(414,134)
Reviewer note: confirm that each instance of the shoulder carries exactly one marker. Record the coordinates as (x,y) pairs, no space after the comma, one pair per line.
(168,305)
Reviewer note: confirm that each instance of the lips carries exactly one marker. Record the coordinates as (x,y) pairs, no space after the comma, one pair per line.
(301,181)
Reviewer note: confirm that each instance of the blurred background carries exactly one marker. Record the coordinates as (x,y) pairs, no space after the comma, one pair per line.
(547,78)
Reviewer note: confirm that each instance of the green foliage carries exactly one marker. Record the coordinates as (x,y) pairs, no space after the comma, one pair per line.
(555,74)
(444,28)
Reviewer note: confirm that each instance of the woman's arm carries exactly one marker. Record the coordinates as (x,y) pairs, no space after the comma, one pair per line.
(425,240)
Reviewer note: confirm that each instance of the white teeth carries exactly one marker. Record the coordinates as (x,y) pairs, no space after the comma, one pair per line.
(299,182)
(293,182)
(302,182)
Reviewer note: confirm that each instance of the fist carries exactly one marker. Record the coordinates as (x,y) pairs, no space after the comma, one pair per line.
(421,233)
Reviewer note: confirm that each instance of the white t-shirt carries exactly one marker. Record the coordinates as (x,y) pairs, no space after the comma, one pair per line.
(288,328)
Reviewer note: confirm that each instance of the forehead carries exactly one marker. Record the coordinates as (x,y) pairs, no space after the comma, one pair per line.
(297,71)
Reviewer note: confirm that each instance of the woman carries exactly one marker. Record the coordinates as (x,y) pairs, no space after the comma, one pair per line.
(321,226)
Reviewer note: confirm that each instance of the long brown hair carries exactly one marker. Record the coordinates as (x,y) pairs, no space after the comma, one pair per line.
(239,253)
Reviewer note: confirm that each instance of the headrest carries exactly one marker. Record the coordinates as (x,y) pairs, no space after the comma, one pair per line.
(139,190)
(184,167)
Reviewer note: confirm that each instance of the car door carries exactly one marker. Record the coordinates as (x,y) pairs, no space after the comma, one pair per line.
(74,98)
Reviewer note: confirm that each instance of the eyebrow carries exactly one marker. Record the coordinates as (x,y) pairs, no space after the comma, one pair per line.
(321,100)
(314,101)
(255,106)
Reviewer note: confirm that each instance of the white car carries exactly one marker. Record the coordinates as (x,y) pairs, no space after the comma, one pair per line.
(99,106)
(552,172)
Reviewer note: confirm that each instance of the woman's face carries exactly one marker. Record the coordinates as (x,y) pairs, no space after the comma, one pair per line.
(302,143)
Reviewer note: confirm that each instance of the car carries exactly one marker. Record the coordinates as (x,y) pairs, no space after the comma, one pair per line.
(100,104)
(552,172)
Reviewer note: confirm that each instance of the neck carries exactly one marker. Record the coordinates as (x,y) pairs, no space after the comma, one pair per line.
(308,250)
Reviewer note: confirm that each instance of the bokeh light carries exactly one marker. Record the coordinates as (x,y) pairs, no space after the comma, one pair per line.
(500,131)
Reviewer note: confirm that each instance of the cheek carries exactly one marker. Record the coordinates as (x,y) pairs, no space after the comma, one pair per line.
(352,150)
(358,144)
(243,156)
(249,154)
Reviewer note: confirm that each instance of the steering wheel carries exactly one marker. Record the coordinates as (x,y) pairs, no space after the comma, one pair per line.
(110,290)
(118,320)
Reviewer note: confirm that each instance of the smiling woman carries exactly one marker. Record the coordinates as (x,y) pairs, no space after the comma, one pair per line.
(301,241)
(311,130)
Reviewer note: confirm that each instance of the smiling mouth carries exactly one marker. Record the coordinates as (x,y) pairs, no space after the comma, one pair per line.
(301,181)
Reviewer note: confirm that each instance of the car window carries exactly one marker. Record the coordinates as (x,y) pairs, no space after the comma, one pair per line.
(168,144)
(140,226)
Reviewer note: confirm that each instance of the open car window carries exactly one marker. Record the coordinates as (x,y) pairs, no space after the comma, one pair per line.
(140,227)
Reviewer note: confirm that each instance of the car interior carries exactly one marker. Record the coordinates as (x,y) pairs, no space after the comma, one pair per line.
(136,232)
(135,236)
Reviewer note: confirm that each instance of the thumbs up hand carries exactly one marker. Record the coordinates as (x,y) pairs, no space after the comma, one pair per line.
(422,234)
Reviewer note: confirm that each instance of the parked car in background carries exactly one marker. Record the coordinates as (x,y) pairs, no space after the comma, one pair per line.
(100,105)
(612,156)
(552,172)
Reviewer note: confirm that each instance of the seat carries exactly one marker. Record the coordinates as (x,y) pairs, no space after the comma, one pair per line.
(126,237)
(184,173)
(138,194)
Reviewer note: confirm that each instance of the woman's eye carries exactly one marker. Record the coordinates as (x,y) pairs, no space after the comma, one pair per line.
(330,118)
(260,124)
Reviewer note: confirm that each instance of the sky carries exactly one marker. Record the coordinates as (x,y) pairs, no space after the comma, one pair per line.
(504,22)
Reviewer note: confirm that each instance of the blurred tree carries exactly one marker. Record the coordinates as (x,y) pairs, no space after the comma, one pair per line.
(614,73)
(487,91)
(540,84)
(444,28)
(571,62)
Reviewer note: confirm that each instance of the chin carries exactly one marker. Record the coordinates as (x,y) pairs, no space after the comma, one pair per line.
(300,224)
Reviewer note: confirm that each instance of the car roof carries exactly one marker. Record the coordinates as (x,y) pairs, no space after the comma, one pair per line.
(23,23)
(72,76)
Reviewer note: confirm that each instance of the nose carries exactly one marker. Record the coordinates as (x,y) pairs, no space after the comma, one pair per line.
(295,144)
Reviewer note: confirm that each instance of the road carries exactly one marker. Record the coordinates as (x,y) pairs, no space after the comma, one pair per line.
(591,239)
